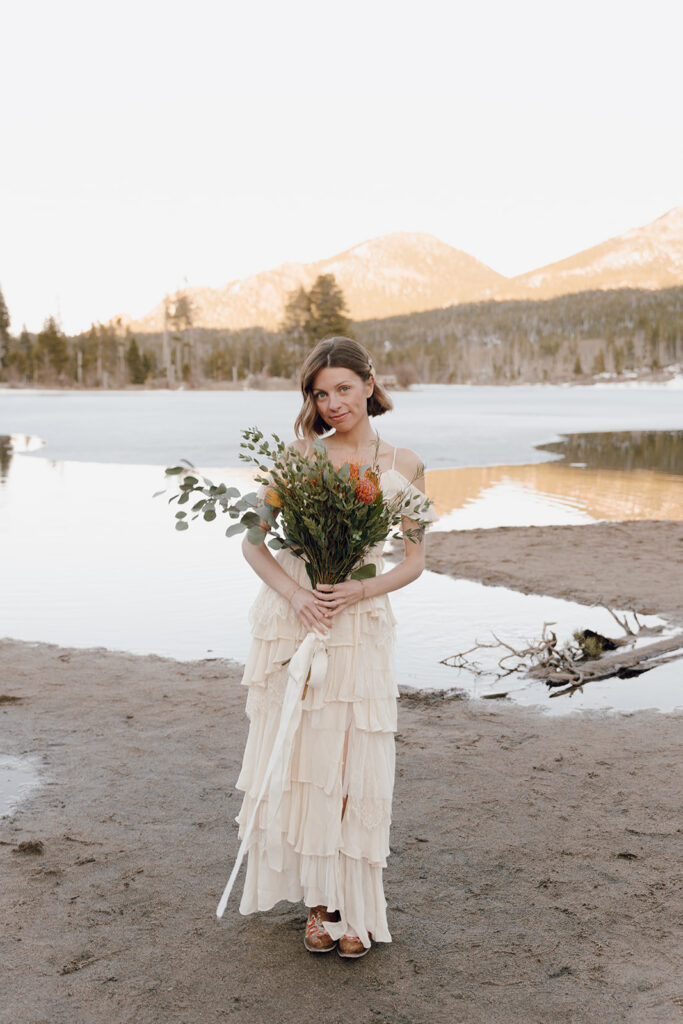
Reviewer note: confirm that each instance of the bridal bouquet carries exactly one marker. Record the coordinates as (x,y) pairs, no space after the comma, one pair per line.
(329,517)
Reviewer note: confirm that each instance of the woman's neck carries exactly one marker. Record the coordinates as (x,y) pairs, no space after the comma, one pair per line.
(362,436)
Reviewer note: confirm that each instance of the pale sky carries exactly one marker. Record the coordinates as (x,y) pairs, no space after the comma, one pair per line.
(149,143)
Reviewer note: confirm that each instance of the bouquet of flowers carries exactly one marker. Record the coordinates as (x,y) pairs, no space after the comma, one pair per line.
(329,517)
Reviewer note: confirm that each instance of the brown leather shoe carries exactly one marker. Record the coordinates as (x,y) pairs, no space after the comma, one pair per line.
(316,938)
(351,947)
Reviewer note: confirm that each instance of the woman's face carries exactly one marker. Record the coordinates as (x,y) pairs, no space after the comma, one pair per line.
(341,397)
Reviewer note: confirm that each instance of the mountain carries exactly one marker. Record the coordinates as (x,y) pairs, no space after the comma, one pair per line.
(646,257)
(412,272)
(387,276)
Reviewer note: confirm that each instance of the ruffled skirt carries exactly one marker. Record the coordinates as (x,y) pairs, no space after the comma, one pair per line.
(306,850)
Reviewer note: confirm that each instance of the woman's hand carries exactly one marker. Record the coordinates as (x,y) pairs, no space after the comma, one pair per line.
(312,611)
(340,595)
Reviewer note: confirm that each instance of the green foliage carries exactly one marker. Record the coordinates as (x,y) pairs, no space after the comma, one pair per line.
(328,309)
(138,365)
(591,644)
(52,349)
(319,313)
(599,363)
(4,328)
(630,331)
(180,312)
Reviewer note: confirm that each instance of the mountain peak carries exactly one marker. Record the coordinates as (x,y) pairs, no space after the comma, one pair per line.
(402,272)
(411,271)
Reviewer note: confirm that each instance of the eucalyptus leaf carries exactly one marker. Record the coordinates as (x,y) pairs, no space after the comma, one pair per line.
(365,572)
(181,525)
(180,515)
(266,513)
(235,529)
(255,535)
(209,514)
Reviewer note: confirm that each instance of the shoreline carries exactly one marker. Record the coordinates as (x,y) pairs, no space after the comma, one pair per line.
(633,564)
(654,380)
(534,864)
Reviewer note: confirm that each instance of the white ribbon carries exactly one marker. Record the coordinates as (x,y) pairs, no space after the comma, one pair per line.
(307,665)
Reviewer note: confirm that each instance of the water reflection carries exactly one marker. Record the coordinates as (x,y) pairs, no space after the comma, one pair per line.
(660,450)
(89,559)
(6,452)
(551,493)
(11,444)
(440,616)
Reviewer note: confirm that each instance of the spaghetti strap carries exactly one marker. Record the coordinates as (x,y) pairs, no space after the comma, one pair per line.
(393,464)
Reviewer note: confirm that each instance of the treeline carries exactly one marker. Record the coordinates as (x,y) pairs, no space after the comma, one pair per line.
(571,338)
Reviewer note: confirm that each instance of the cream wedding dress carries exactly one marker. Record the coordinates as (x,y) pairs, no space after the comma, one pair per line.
(304,849)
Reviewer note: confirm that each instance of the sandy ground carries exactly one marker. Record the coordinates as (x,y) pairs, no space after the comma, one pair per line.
(635,565)
(535,872)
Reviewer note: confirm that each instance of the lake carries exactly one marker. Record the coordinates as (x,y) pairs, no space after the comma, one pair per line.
(88,558)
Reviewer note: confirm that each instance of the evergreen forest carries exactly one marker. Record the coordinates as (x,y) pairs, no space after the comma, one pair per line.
(577,338)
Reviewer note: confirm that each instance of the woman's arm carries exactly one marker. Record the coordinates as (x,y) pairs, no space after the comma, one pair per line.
(309,607)
(408,569)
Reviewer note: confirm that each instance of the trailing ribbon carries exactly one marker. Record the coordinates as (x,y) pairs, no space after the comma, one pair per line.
(307,667)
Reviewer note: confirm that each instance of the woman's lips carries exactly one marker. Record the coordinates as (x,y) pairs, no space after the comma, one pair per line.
(337,418)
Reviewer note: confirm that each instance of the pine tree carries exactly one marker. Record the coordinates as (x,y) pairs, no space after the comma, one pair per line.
(137,367)
(52,347)
(328,309)
(4,329)
(297,314)
(318,313)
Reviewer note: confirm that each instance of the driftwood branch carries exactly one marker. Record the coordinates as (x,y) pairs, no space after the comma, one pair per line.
(578,662)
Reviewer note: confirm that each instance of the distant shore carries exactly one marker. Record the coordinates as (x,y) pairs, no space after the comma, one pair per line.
(283,384)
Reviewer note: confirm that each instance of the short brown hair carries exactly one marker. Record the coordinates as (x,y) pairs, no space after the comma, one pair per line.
(335,352)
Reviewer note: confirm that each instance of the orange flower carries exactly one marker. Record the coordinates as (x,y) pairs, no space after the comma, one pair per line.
(367,489)
(273,498)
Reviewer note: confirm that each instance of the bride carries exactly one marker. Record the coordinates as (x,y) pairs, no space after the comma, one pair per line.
(328,840)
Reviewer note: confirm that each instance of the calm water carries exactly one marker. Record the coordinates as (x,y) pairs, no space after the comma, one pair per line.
(87,558)
(447,426)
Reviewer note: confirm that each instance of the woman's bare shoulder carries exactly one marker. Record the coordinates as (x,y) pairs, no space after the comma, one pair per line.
(409,463)
(298,445)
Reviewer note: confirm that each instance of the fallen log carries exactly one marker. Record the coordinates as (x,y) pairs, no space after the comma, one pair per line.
(609,664)
(630,663)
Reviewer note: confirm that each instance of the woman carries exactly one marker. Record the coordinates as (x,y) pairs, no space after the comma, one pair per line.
(328,841)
